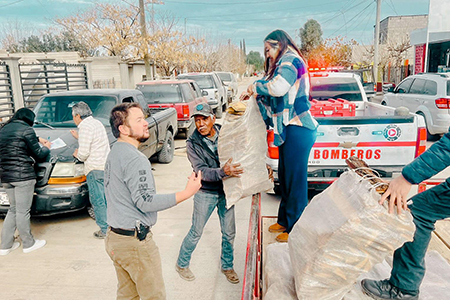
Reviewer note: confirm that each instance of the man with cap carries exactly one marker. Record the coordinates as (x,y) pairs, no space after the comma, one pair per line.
(203,155)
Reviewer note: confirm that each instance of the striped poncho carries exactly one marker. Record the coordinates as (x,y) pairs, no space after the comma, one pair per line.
(284,99)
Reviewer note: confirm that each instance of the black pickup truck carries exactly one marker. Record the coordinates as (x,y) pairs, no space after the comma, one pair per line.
(61,184)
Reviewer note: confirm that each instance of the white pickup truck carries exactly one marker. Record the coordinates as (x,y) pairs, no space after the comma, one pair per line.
(385,137)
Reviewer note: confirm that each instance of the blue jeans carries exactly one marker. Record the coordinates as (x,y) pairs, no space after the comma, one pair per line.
(293,174)
(428,207)
(204,204)
(97,197)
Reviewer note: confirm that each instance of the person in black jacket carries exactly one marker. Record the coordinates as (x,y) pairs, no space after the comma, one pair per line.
(19,149)
(203,155)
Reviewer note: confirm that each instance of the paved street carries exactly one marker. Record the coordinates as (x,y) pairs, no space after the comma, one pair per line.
(74,265)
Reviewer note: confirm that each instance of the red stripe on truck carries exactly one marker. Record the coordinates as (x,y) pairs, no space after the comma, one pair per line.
(386,144)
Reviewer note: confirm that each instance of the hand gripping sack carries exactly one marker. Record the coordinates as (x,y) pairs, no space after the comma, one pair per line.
(343,233)
(243,138)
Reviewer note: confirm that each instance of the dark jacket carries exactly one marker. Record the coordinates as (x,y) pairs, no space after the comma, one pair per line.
(19,148)
(431,162)
(203,159)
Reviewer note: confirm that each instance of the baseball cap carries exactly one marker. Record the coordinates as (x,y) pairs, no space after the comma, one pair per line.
(202,109)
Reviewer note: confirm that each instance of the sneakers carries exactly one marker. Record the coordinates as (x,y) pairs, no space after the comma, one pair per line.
(282,237)
(382,289)
(99,235)
(231,276)
(37,245)
(185,273)
(13,247)
(277,228)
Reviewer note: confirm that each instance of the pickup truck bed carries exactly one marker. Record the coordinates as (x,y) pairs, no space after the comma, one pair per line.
(259,238)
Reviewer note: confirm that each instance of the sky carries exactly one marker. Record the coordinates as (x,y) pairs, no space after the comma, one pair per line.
(236,20)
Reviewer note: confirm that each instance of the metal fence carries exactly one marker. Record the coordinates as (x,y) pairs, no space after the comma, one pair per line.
(6,96)
(43,78)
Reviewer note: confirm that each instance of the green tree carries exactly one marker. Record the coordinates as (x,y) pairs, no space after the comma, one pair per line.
(254,58)
(48,42)
(311,36)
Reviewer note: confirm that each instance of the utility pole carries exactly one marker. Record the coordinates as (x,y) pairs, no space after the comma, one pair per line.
(148,74)
(376,42)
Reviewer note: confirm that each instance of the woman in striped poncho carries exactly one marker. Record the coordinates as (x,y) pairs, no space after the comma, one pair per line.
(283,98)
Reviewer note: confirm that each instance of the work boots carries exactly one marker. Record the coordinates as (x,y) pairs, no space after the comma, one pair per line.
(383,289)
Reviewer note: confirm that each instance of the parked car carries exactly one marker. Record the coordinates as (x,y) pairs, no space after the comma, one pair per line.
(61,184)
(230,82)
(211,83)
(182,95)
(428,95)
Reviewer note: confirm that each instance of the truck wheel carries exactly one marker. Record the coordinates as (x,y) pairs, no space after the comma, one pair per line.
(430,137)
(165,155)
(219,112)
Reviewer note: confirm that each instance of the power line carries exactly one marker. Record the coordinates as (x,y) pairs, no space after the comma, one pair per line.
(265,11)
(223,3)
(392,6)
(342,12)
(266,19)
(351,19)
(5,5)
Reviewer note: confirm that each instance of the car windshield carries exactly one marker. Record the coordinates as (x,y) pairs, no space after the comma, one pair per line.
(56,111)
(225,76)
(204,81)
(323,88)
(161,93)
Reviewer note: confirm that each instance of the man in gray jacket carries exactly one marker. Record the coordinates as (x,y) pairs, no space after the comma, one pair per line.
(133,205)
(203,155)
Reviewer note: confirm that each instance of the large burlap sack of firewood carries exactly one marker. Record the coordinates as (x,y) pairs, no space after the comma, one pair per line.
(342,233)
(243,138)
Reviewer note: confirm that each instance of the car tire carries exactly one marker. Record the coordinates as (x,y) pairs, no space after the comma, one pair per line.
(430,137)
(90,211)
(219,112)
(165,155)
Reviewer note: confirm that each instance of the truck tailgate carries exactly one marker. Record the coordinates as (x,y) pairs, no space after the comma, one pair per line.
(380,141)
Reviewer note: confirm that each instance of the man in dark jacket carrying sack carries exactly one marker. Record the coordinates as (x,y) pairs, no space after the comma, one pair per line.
(203,155)
(428,207)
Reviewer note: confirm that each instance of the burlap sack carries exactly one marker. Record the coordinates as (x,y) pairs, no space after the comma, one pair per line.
(341,234)
(243,138)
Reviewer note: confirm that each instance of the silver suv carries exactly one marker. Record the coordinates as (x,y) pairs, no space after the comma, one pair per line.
(211,84)
(229,80)
(428,95)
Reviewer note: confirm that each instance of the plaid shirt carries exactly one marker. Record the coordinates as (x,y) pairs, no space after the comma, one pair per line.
(93,144)
(212,143)
(284,99)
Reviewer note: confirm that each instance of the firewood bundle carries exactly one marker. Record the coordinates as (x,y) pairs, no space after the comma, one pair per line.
(363,170)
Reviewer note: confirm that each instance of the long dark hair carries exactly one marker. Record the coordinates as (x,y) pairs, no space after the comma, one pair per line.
(23,114)
(277,39)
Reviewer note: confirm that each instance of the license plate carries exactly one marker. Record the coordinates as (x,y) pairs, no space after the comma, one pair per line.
(4,200)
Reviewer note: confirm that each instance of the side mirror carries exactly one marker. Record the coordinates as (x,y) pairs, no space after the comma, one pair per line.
(390,89)
(204,93)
